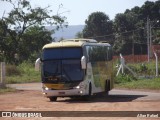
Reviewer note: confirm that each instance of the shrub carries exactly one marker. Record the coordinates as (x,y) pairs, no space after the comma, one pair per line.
(12,70)
(27,68)
(123,78)
(22,73)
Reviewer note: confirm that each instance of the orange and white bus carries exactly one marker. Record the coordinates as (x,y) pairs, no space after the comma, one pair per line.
(76,67)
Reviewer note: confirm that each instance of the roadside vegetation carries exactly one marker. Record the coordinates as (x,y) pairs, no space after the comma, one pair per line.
(145,77)
(23,73)
(127,81)
(6,90)
(152,84)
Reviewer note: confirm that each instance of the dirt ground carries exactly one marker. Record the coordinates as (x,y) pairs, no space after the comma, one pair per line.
(118,100)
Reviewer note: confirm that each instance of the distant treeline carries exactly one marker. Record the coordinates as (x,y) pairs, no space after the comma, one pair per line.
(128,31)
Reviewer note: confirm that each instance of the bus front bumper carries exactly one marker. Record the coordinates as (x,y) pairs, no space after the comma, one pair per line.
(64,93)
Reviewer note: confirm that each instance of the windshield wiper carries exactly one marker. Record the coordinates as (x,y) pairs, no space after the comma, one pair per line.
(55,70)
(67,75)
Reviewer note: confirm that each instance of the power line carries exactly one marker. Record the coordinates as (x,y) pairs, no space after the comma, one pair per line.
(117,33)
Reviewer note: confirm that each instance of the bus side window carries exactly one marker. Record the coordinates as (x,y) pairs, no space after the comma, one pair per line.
(106,53)
(92,52)
(89,53)
(109,53)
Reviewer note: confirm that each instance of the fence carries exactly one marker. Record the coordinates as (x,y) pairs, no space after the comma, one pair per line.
(139,64)
(2,75)
(141,58)
(156,48)
(133,58)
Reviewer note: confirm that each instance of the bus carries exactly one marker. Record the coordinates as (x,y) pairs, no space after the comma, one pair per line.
(76,67)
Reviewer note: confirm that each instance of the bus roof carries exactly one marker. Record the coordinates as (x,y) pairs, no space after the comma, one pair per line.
(72,43)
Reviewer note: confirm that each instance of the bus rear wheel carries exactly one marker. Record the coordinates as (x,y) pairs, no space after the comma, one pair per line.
(107,87)
(52,99)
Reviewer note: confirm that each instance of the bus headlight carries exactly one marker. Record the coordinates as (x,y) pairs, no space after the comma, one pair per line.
(79,86)
(46,88)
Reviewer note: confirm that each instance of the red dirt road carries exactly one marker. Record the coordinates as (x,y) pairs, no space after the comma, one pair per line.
(118,100)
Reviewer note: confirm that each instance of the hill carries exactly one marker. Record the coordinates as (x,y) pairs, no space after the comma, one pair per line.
(66,33)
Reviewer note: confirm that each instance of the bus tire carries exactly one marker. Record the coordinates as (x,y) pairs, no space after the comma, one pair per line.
(88,97)
(90,90)
(107,87)
(52,99)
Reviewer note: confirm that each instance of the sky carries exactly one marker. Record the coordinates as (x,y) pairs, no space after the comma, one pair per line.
(77,11)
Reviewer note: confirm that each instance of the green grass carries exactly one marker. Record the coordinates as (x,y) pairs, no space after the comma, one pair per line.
(6,90)
(141,69)
(24,78)
(145,68)
(23,73)
(152,84)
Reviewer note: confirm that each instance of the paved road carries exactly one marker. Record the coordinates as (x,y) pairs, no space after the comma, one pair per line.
(132,94)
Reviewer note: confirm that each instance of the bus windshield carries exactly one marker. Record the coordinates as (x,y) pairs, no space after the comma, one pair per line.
(62,64)
(62,53)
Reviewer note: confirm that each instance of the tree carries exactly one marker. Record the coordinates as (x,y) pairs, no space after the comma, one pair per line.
(21,18)
(3,40)
(125,22)
(147,10)
(97,26)
(34,39)
(79,35)
(124,25)
(130,28)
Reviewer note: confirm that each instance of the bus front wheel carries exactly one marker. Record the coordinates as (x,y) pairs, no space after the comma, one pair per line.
(90,90)
(88,97)
(53,99)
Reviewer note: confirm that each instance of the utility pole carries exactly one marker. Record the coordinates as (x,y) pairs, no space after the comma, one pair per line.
(2,82)
(133,44)
(148,38)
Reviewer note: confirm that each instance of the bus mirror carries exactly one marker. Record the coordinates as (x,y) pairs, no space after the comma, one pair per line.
(83,62)
(37,64)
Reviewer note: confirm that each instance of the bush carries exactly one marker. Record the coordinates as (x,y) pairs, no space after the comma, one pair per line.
(22,73)
(12,70)
(123,78)
(26,68)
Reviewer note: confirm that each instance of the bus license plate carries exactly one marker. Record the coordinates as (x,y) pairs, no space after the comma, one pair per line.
(61,93)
